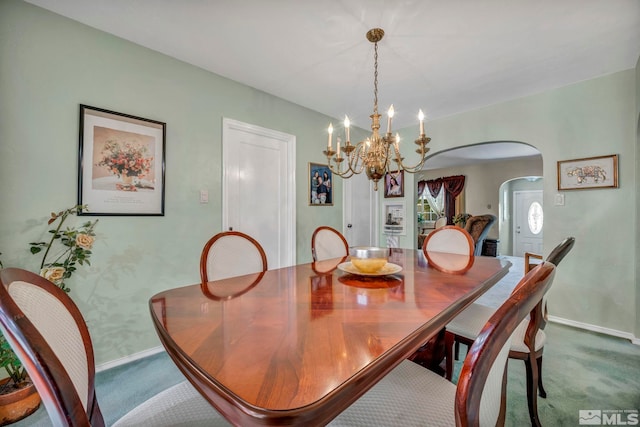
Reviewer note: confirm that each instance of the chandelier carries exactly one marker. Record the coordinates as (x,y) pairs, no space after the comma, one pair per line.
(376,154)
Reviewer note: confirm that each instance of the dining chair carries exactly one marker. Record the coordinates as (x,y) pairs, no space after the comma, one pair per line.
(441,243)
(410,395)
(50,337)
(440,222)
(230,254)
(327,243)
(466,326)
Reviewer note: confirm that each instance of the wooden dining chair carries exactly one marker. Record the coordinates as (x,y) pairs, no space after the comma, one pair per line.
(230,254)
(327,243)
(441,243)
(466,326)
(50,337)
(411,395)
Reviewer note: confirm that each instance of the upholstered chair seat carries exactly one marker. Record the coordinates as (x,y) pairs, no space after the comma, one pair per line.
(411,395)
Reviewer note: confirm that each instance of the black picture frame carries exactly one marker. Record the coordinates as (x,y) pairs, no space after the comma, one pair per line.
(319,197)
(391,188)
(121,163)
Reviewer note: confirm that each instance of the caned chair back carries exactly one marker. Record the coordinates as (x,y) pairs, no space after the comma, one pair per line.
(48,334)
(482,381)
(449,249)
(327,243)
(231,254)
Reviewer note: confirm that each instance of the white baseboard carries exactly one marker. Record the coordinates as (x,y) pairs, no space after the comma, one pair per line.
(130,358)
(595,328)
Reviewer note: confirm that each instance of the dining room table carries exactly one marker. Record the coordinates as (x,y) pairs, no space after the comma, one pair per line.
(297,345)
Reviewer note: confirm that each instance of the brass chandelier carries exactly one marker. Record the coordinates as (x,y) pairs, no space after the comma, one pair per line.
(375,154)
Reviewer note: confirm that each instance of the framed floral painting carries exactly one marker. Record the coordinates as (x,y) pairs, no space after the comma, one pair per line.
(121,163)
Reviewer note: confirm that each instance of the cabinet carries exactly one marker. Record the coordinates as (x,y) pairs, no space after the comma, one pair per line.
(490,247)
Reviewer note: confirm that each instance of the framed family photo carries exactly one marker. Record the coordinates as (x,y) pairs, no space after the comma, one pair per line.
(121,163)
(394,184)
(320,186)
(592,172)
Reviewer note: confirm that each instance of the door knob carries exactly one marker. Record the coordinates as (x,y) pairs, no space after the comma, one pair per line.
(349,225)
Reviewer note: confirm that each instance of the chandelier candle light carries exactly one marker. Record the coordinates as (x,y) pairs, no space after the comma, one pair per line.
(374,155)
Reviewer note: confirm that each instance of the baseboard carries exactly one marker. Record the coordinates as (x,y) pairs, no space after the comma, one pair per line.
(595,328)
(130,358)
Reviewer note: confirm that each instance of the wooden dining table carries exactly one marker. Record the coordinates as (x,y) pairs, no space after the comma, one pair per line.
(298,345)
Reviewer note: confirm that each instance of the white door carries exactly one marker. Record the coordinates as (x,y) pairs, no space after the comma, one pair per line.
(258,188)
(359,210)
(528,220)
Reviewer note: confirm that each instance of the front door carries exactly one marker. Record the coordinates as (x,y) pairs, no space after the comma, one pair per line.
(258,181)
(528,220)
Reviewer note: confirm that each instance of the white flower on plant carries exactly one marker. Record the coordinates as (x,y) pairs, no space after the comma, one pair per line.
(53,274)
(84,241)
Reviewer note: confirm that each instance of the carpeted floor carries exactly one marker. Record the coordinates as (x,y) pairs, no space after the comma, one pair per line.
(581,371)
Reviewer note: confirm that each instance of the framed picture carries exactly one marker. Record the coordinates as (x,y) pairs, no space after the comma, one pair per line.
(394,184)
(320,186)
(592,172)
(121,163)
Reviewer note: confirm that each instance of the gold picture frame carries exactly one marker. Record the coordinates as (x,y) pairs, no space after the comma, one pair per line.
(588,173)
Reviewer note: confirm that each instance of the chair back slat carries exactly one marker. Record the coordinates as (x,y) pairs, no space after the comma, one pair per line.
(449,249)
(231,254)
(328,243)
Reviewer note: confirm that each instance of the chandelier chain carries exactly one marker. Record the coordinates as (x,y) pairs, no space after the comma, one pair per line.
(374,155)
(375,79)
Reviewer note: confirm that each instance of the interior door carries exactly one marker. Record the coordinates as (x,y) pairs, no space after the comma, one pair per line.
(359,211)
(258,173)
(528,221)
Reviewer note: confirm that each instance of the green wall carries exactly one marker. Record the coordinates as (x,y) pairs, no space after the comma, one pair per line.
(49,65)
(596,283)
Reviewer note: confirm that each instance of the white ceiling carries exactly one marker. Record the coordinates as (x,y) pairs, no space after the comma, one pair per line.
(441,56)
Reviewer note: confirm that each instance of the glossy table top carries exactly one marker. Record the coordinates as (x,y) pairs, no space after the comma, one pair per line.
(298,345)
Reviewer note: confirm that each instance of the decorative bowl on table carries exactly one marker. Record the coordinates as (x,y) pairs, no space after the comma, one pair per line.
(367,259)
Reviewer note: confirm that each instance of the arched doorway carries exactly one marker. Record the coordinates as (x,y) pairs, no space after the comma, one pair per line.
(487,166)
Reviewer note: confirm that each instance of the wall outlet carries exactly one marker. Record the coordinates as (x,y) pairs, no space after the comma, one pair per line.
(204,196)
(559,201)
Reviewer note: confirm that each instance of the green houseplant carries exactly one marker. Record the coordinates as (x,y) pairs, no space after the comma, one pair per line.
(65,250)
(460,219)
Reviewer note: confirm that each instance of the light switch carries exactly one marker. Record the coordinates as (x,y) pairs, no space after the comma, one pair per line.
(559,200)
(204,196)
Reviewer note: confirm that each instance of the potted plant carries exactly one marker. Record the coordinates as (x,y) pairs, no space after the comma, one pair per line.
(460,220)
(64,251)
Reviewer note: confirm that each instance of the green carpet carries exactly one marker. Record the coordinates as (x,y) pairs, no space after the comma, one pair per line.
(581,371)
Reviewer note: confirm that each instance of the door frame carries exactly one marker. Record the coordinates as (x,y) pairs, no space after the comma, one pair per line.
(290,209)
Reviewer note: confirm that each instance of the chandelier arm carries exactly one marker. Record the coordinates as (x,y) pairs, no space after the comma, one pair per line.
(376,154)
(417,167)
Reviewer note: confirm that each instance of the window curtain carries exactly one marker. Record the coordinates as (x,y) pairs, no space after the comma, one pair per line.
(453,186)
(427,189)
(441,194)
